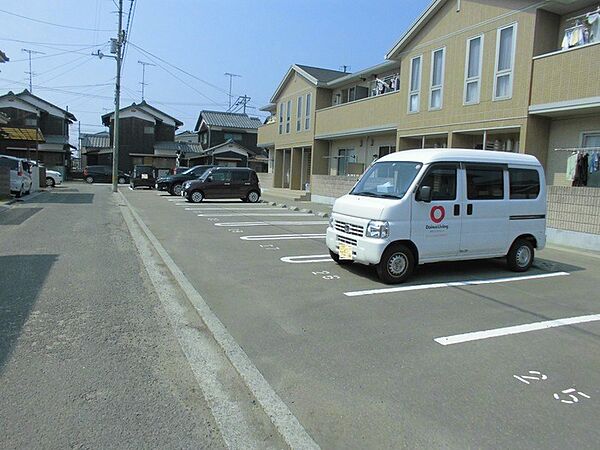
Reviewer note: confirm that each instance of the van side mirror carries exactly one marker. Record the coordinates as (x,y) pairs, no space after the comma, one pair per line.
(209,179)
(424,194)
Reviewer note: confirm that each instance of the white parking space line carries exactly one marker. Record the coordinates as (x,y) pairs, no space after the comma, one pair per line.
(517,329)
(271,223)
(242,208)
(419,287)
(255,214)
(282,237)
(305,259)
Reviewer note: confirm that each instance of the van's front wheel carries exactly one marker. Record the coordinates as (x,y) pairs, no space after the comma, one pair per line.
(520,256)
(396,265)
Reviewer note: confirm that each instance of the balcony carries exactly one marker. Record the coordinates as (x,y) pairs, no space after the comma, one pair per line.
(566,80)
(369,115)
(266,134)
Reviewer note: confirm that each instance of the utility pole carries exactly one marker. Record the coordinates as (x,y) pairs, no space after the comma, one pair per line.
(31,74)
(230,75)
(244,99)
(116,47)
(143,83)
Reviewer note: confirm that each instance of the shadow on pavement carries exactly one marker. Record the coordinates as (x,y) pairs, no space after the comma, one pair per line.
(21,279)
(55,197)
(17,216)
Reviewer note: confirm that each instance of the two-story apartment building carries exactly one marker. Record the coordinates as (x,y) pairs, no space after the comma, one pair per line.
(505,76)
(36,129)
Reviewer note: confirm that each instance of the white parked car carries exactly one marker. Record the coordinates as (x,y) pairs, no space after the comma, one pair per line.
(20,177)
(422,206)
(53,178)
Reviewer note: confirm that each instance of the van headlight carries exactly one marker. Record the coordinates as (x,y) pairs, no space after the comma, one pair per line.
(378,229)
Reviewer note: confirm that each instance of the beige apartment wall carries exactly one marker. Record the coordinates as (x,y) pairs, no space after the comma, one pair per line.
(331,186)
(451,29)
(365,146)
(295,87)
(567,133)
(267,133)
(367,113)
(568,75)
(574,209)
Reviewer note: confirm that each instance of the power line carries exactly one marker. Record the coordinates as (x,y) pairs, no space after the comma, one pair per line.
(46,44)
(49,23)
(62,52)
(178,68)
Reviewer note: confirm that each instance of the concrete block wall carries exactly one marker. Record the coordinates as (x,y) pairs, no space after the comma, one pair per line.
(4,182)
(266,179)
(574,209)
(331,186)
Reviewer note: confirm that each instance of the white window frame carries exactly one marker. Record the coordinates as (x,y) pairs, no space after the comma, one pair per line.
(307,110)
(418,91)
(510,72)
(299,115)
(288,116)
(477,78)
(281,118)
(584,134)
(439,87)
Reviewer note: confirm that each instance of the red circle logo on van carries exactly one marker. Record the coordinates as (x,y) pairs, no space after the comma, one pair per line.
(437,214)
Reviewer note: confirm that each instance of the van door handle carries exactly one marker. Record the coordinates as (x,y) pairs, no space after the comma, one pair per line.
(227,184)
(469,209)
(457,210)
(246,184)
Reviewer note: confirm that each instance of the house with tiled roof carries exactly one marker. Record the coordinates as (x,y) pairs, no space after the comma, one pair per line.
(217,127)
(35,129)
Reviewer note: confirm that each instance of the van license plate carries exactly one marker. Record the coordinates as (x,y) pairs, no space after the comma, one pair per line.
(345,251)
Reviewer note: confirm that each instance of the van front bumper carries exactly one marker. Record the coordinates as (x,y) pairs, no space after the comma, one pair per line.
(364,250)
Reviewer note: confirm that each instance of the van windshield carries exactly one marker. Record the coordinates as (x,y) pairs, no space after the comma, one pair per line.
(387,179)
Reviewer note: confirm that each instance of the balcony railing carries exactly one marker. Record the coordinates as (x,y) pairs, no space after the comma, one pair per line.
(267,133)
(566,75)
(372,114)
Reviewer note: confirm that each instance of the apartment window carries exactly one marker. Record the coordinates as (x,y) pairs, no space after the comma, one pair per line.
(288,116)
(438,61)
(590,139)
(299,115)
(307,112)
(415,84)
(473,70)
(281,118)
(30,122)
(505,62)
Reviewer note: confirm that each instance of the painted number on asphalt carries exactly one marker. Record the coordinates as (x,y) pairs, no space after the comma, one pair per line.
(235,230)
(327,275)
(269,247)
(213,219)
(569,396)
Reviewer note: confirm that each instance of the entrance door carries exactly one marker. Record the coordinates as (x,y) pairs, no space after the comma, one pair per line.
(436,226)
(486,216)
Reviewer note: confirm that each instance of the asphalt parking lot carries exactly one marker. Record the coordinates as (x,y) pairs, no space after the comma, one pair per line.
(463,355)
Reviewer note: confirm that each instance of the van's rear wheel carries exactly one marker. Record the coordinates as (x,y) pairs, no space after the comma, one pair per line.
(253,196)
(396,265)
(520,256)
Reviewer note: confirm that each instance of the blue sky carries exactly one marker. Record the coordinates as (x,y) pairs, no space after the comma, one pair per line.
(257,39)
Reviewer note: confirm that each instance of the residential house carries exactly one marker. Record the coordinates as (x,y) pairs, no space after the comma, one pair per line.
(92,145)
(146,136)
(216,127)
(36,129)
(231,154)
(187,136)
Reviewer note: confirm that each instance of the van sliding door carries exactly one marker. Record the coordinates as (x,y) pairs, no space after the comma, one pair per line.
(486,210)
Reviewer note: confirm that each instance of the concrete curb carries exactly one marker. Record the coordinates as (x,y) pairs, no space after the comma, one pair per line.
(286,424)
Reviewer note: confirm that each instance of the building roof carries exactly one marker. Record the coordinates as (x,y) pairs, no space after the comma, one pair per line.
(227,120)
(211,150)
(185,147)
(315,75)
(382,67)
(417,26)
(96,140)
(23,96)
(157,114)
(21,134)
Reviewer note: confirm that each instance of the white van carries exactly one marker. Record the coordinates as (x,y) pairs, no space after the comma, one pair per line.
(20,178)
(428,205)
